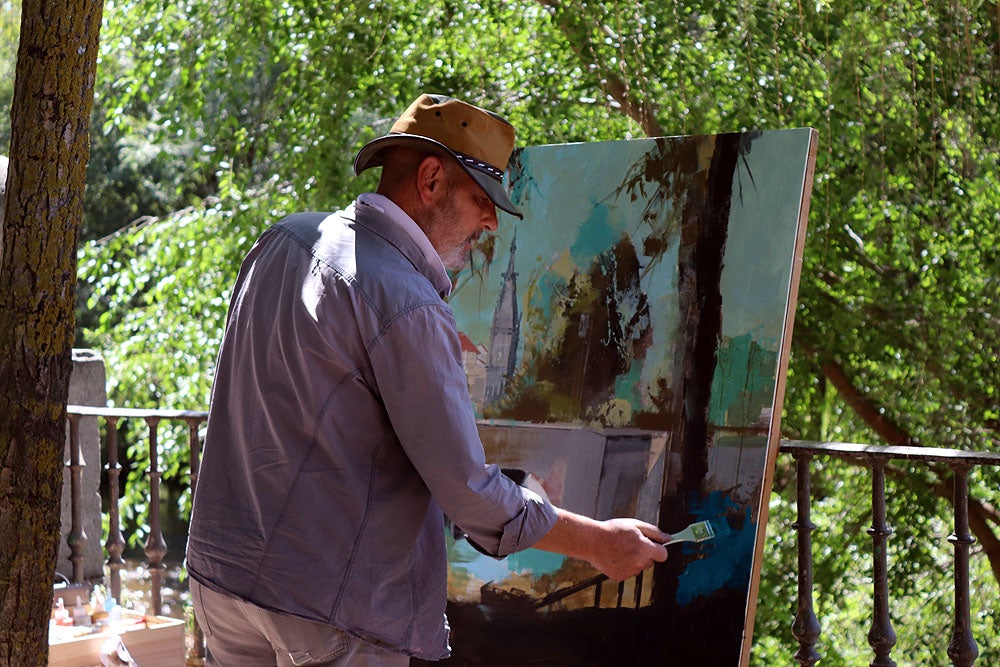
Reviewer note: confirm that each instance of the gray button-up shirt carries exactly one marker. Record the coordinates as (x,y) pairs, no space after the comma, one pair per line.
(340,428)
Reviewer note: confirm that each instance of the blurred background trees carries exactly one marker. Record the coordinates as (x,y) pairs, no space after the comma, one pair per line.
(214,118)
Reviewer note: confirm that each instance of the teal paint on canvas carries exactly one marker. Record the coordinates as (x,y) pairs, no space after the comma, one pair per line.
(725,560)
(743,385)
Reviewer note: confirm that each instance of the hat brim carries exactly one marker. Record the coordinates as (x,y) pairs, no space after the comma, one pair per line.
(370,156)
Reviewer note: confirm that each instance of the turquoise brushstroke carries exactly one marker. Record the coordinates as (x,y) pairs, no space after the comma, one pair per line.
(596,235)
(535,561)
(726,559)
(628,386)
(744,380)
(462,556)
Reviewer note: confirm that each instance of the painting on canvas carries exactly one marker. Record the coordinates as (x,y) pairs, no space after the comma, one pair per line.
(626,345)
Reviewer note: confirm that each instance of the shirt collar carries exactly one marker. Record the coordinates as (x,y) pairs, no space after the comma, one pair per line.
(399,217)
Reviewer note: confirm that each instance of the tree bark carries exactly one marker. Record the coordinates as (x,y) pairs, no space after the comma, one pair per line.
(53,97)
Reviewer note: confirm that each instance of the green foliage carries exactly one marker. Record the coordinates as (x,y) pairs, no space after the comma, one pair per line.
(160,288)
(293,90)
(906,276)
(10,28)
(262,105)
(130,178)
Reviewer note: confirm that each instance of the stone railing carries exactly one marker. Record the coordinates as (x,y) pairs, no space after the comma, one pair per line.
(155,547)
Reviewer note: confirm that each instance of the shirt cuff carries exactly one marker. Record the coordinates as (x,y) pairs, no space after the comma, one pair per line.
(532,524)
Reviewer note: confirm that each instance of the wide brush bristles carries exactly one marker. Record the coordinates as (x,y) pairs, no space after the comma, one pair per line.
(702,531)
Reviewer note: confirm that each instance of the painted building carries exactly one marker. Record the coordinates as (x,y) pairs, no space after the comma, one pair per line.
(474,359)
(503,334)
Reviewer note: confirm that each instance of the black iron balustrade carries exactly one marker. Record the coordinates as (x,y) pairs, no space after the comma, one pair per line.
(806,628)
(962,649)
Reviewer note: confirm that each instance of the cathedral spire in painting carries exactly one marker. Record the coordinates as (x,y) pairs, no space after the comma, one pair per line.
(503,334)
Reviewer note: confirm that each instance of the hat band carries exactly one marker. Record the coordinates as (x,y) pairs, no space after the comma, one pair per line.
(479,165)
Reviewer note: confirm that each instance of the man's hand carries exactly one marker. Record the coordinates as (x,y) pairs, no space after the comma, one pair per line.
(629,547)
(619,548)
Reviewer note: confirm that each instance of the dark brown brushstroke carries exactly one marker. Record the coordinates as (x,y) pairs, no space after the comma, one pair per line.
(598,344)
(704,228)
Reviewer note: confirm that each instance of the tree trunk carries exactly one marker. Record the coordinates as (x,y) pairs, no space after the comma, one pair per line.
(53,97)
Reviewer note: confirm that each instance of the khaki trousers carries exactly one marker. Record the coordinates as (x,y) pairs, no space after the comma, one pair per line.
(241,634)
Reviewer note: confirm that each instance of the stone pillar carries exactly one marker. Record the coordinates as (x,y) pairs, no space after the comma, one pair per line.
(87,386)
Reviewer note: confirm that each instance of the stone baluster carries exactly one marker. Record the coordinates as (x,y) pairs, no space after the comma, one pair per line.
(881,637)
(806,628)
(155,547)
(962,649)
(77,538)
(115,543)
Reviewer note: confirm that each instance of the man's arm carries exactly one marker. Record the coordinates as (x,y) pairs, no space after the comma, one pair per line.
(619,548)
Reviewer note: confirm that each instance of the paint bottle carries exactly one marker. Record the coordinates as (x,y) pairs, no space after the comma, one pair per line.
(80,614)
(98,613)
(115,613)
(61,614)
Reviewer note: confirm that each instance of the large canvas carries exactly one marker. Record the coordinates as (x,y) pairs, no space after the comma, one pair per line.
(626,345)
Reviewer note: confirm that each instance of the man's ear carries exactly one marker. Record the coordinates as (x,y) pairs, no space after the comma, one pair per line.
(432,180)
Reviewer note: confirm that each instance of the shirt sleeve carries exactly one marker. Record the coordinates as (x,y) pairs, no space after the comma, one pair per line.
(417,365)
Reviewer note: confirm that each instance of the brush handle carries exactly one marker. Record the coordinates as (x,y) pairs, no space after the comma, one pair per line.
(696,532)
(684,536)
(675,539)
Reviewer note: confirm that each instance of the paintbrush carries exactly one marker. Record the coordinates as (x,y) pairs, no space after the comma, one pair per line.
(696,532)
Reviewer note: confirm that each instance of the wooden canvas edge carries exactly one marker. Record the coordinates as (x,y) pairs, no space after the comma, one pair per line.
(774,433)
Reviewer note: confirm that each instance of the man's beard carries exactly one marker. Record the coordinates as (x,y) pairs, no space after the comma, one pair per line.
(457,257)
(442,219)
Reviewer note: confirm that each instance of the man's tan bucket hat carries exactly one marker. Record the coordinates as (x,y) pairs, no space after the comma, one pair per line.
(479,140)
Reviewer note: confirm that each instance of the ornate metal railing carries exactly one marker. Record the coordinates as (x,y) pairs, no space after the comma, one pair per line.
(962,648)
